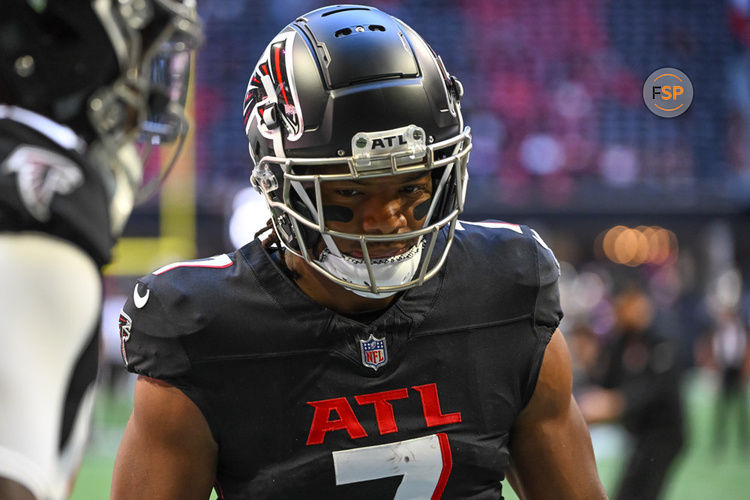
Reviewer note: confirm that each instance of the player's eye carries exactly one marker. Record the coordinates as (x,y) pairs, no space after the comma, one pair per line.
(413,188)
(347,193)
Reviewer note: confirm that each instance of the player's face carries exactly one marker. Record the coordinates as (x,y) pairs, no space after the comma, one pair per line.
(383,205)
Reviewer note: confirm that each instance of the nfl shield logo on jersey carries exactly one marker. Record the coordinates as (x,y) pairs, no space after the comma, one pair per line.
(374,353)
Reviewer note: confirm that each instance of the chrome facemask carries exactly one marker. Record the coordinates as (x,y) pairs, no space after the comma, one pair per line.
(147,102)
(398,151)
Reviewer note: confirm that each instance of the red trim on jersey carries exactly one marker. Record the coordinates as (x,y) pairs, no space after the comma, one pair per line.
(445,451)
(276,56)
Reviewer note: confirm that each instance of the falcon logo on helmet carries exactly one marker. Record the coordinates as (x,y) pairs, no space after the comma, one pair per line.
(271,96)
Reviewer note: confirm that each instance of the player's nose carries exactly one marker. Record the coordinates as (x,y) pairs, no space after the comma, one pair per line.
(382,216)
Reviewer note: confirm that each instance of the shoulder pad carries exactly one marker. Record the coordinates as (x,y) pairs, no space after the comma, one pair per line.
(511,262)
(547,311)
(162,310)
(513,247)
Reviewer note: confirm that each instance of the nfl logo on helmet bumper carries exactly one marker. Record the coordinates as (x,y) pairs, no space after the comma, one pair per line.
(374,353)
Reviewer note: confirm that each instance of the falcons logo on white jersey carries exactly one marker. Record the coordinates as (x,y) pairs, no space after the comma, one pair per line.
(41,174)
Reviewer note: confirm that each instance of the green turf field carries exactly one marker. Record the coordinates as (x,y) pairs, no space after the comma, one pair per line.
(700,473)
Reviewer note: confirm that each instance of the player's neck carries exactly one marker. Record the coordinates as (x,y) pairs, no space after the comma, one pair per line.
(327,293)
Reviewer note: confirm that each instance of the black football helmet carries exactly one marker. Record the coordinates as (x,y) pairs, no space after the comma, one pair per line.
(351,86)
(111,70)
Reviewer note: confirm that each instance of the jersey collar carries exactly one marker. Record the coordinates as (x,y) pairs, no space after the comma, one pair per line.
(414,303)
(60,134)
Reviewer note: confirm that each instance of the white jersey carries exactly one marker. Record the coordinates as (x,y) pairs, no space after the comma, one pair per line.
(54,235)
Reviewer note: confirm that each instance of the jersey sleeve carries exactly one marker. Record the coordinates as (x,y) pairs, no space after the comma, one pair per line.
(547,310)
(153,324)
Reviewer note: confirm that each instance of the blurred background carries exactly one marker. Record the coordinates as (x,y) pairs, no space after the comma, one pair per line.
(649,217)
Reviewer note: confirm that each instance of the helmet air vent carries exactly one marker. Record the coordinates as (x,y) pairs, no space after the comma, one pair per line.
(358,29)
(343,10)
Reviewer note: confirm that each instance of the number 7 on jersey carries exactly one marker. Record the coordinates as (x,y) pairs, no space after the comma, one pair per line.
(424,462)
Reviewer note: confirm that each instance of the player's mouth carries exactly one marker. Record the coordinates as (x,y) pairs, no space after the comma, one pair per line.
(380,253)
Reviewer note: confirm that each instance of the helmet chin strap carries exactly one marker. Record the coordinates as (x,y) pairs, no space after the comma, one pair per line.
(391,271)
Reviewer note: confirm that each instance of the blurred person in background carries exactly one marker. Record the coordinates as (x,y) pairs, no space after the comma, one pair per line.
(730,355)
(639,380)
(585,348)
(75,89)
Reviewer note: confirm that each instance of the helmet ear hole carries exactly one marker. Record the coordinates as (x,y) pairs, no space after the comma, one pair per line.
(270,116)
(456,89)
(446,197)
(310,237)
(447,200)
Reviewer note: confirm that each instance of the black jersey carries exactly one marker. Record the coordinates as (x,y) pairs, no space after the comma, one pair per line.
(47,188)
(307,403)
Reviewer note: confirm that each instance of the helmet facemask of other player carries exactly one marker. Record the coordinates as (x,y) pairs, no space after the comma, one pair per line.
(168,64)
(88,66)
(147,103)
(348,97)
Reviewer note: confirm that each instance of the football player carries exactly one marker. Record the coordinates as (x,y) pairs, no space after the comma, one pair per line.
(74,90)
(372,346)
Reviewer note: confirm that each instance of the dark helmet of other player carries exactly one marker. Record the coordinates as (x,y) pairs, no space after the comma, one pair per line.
(104,68)
(350,86)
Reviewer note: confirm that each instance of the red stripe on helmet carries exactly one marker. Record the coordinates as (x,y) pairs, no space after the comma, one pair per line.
(277,54)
